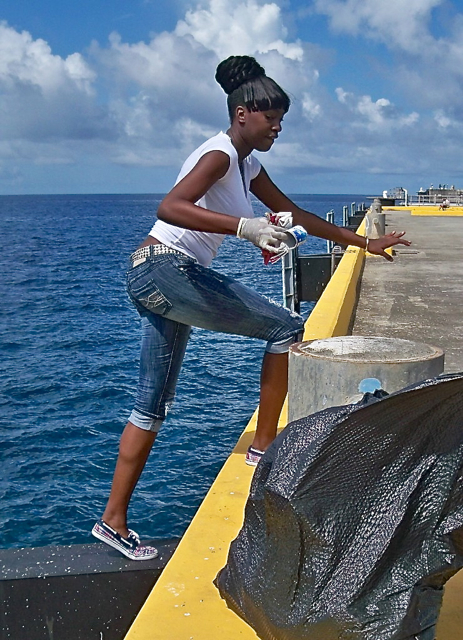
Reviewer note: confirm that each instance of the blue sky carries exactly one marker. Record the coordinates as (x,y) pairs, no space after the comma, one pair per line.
(101,97)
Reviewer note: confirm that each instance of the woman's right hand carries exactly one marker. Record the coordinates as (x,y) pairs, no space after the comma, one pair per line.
(377,246)
(261,233)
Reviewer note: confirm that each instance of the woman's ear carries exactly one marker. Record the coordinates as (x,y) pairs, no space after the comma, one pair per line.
(240,114)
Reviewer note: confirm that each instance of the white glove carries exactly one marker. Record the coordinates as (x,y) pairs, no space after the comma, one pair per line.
(261,233)
(282,219)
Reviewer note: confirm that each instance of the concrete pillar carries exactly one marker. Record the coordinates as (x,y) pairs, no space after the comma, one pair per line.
(337,371)
(375,220)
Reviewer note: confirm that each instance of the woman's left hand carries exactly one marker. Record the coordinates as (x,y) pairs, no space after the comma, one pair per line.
(377,246)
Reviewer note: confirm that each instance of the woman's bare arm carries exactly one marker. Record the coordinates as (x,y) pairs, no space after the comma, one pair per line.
(270,195)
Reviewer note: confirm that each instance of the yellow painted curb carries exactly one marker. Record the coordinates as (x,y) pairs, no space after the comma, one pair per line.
(427,210)
(184,604)
(434,211)
(332,314)
(450,624)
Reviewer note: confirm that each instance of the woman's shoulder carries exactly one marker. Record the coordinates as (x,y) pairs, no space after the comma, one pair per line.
(205,153)
(219,142)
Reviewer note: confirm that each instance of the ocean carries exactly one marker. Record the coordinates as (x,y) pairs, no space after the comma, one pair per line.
(69,342)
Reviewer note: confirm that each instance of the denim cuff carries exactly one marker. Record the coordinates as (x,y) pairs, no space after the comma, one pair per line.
(144,422)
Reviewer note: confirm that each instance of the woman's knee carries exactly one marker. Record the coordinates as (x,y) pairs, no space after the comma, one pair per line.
(281,344)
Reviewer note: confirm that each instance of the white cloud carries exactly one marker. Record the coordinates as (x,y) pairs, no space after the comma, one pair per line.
(188,131)
(245,27)
(43,96)
(375,114)
(441,119)
(397,22)
(145,103)
(28,62)
(310,107)
(148,104)
(449,125)
(430,67)
(175,71)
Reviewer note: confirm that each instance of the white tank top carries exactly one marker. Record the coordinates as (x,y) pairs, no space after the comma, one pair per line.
(228,195)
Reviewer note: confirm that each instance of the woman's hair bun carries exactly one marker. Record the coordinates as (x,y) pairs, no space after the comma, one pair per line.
(236,70)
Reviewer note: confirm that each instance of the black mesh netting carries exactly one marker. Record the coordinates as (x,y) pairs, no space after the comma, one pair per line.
(354,521)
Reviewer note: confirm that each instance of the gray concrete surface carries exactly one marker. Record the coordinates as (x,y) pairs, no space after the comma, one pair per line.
(420,295)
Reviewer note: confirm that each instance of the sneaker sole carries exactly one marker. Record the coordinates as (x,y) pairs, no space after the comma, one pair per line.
(124,552)
(251,463)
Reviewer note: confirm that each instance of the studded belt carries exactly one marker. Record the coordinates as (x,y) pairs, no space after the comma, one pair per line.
(142,254)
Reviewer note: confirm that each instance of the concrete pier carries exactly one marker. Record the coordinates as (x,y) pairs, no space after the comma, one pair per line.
(420,295)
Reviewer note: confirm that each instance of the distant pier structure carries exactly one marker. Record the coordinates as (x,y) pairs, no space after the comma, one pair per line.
(435,195)
(431,196)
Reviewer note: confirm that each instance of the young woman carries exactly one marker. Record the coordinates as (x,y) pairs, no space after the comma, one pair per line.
(173,288)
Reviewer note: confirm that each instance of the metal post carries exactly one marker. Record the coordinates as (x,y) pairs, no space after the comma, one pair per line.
(329,218)
(288,271)
(336,250)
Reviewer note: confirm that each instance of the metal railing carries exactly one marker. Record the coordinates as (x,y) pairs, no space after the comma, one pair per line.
(433,199)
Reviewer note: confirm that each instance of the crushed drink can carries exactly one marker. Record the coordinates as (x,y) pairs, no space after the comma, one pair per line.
(296,236)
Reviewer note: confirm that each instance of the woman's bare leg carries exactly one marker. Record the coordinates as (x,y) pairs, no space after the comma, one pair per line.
(136,443)
(134,450)
(273,390)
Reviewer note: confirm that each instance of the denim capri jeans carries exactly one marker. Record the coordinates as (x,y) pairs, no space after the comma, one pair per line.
(172,293)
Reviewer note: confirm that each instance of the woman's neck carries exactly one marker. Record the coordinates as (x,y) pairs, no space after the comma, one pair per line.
(243,149)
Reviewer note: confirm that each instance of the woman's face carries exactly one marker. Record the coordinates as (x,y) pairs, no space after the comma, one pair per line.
(261,128)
